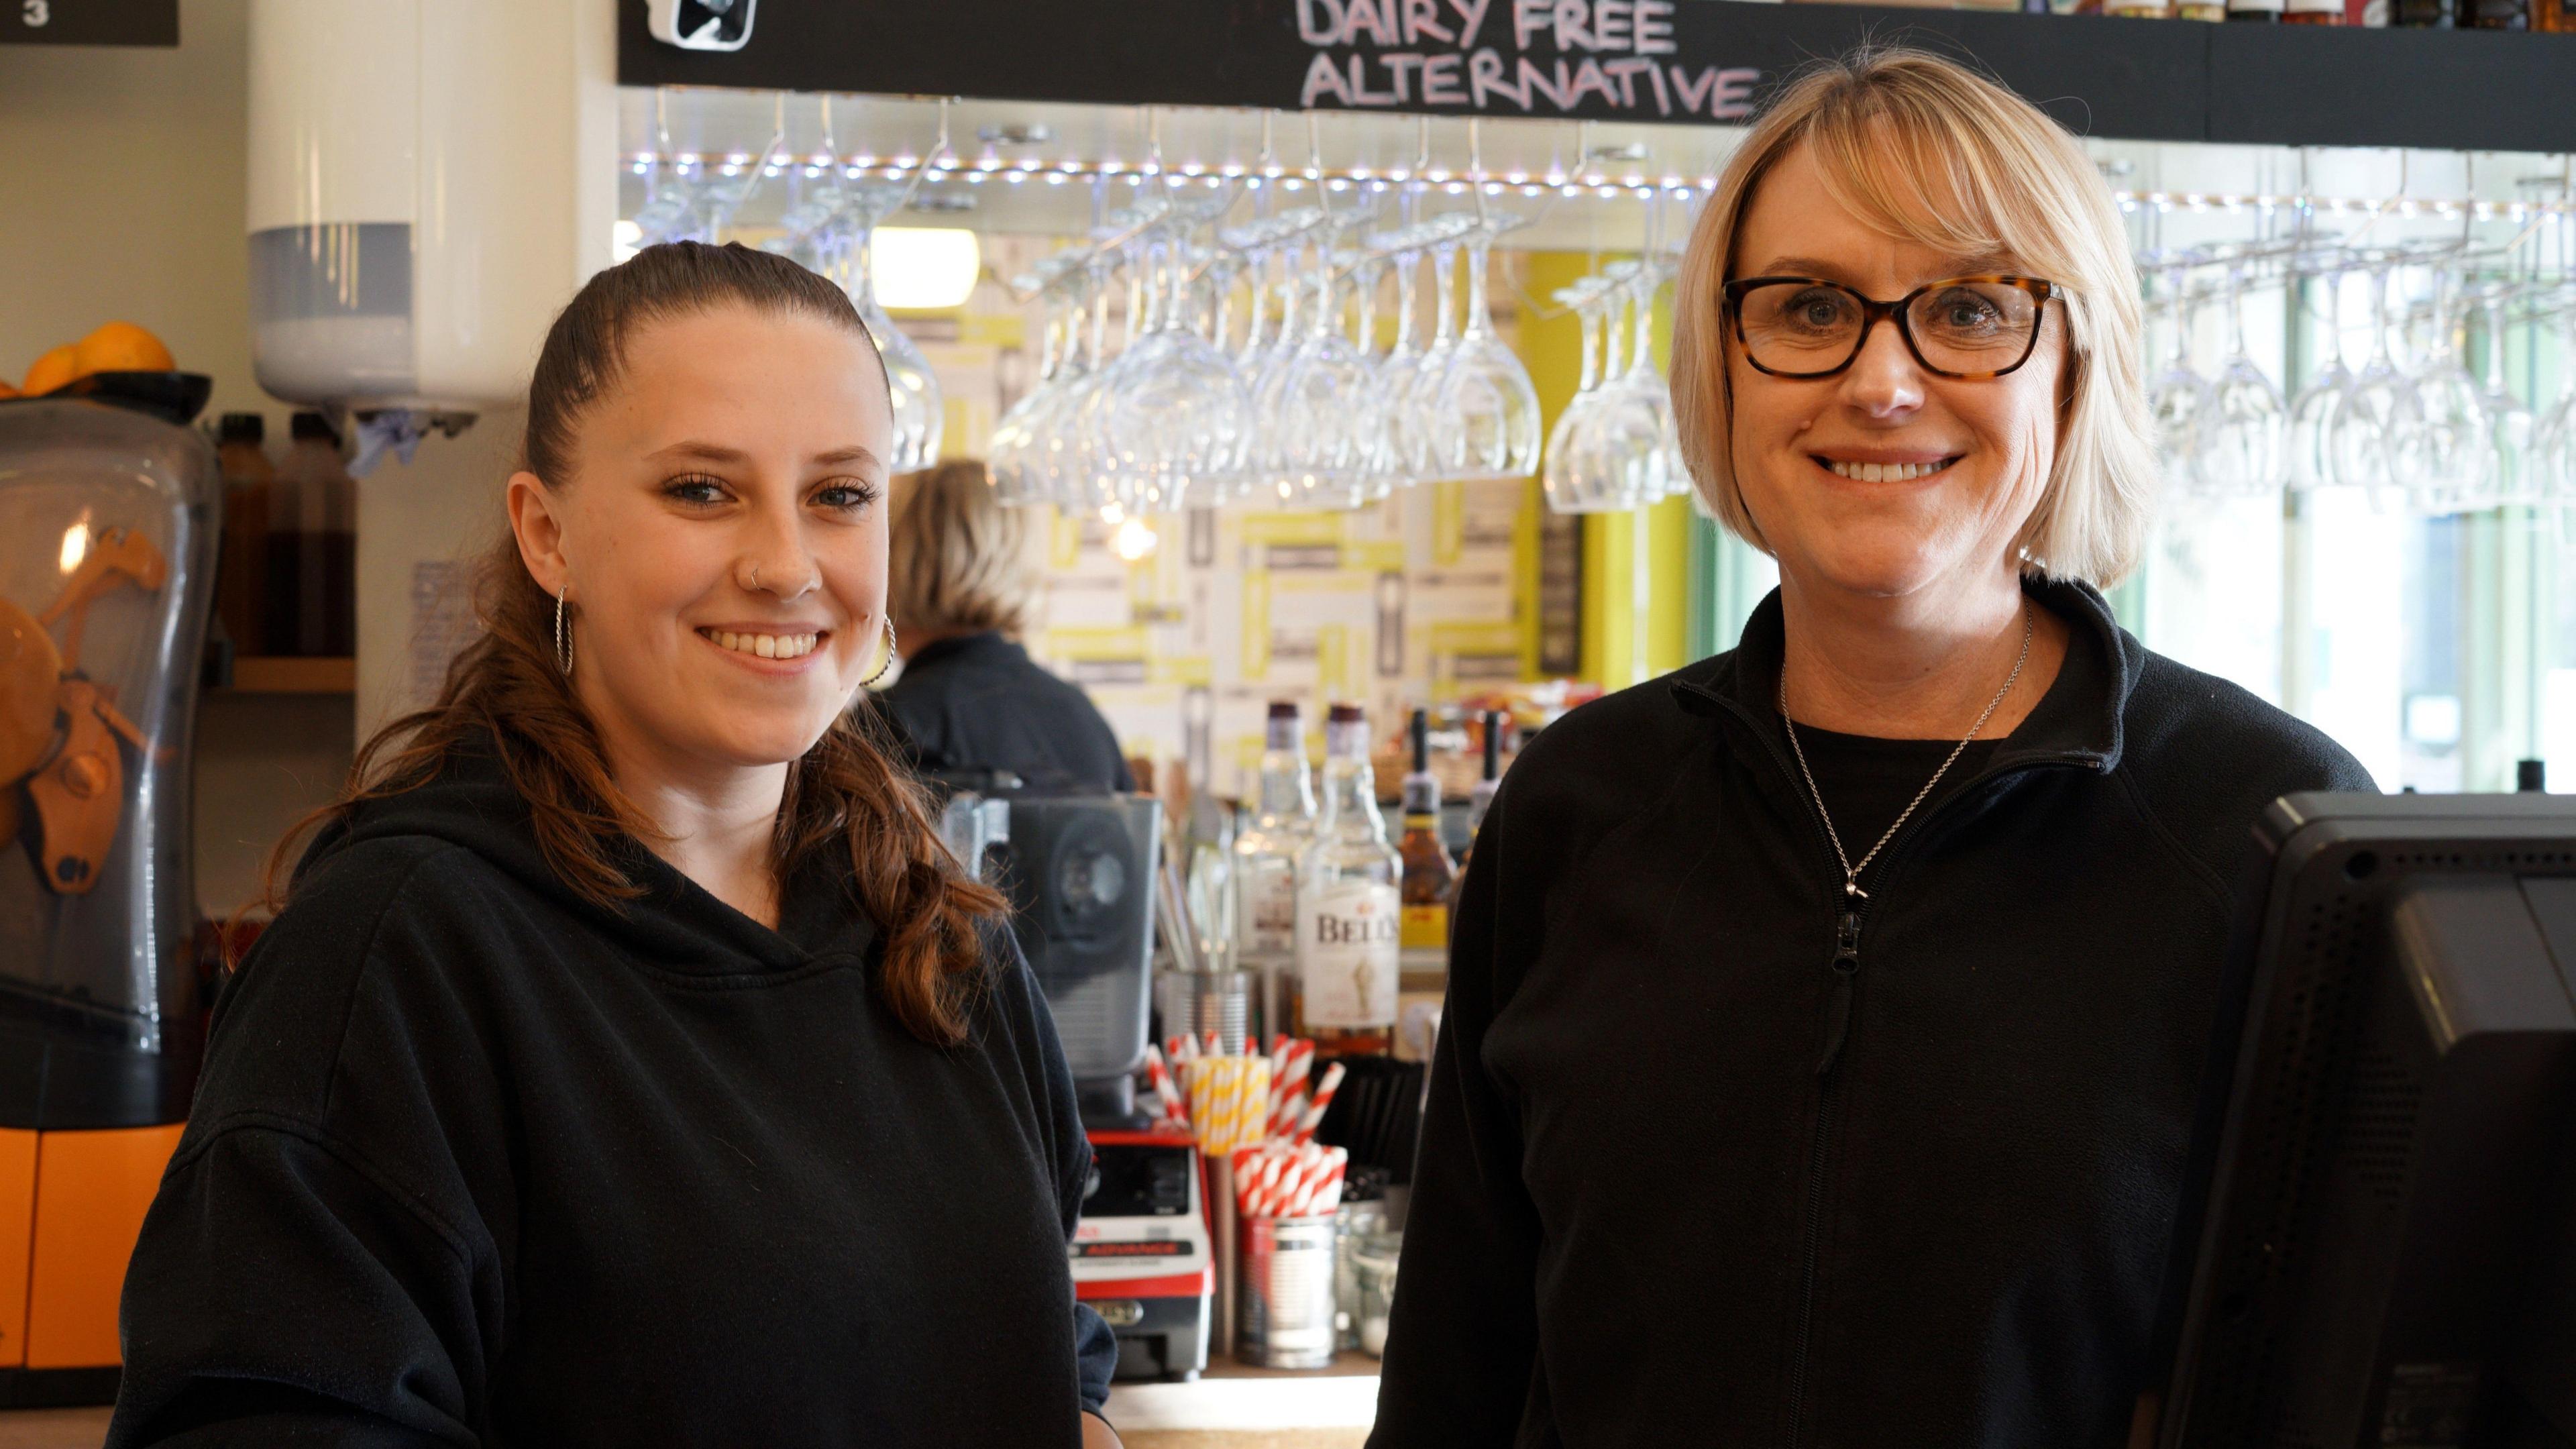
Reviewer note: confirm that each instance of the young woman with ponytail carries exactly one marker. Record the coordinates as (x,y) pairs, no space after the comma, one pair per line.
(628,1062)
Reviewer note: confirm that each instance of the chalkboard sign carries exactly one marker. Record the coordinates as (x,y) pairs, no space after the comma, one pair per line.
(1544,57)
(1676,61)
(89,22)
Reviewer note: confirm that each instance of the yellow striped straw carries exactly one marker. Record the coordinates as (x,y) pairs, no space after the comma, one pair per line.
(1229,1101)
(1199,1083)
(1238,1102)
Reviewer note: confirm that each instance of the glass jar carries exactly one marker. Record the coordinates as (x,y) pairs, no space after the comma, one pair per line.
(1373,1259)
(1354,1224)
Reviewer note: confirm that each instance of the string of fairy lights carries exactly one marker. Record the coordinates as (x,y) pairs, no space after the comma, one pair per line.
(992,168)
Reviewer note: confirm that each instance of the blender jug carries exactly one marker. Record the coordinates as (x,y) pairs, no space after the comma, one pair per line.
(108,534)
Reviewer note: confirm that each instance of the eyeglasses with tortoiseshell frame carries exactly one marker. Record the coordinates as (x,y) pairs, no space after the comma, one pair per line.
(1964,327)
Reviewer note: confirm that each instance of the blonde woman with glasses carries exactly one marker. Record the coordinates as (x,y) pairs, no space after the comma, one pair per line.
(1827,1020)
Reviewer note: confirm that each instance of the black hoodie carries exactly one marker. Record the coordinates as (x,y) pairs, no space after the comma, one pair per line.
(1695,1173)
(476,1162)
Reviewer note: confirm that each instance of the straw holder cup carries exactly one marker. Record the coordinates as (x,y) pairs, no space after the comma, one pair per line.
(1286,1293)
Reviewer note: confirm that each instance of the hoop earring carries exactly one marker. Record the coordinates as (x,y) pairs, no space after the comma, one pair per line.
(563,639)
(886,663)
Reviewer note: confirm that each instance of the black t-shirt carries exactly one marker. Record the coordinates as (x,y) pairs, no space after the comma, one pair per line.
(1867,781)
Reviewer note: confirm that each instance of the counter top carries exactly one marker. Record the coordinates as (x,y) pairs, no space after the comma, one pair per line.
(79,1429)
(1232,1397)
(1229,1407)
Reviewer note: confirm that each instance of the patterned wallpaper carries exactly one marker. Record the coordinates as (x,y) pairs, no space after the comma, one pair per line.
(1415,600)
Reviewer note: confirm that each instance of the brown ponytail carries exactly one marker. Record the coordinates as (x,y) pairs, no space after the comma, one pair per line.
(844,793)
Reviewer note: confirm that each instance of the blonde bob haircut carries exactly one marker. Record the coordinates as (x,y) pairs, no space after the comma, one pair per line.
(1924,150)
(954,556)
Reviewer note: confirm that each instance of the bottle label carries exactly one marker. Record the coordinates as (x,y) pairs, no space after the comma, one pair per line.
(1347,939)
(1270,909)
(1426,928)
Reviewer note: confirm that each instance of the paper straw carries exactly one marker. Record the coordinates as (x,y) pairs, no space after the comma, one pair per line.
(1225,1103)
(1291,1182)
(1310,1181)
(1330,1198)
(1246,1159)
(1216,1133)
(1252,1101)
(1323,1098)
(1198,1086)
(1227,1129)
(1289,1091)
(1229,1100)
(1159,1078)
(1274,1163)
(1278,1080)
(1277,1177)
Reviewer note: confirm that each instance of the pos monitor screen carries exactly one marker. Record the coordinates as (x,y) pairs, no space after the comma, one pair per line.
(2386,1212)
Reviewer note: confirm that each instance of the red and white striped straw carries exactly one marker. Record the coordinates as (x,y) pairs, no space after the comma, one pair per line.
(1159,1078)
(1323,1098)
(1278,1178)
(1311,1165)
(1282,1180)
(1288,1088)
(1278,1181)
(1329,1197)
(1281,1186)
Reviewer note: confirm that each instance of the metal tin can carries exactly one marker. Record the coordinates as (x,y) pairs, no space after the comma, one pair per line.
(1286,1293)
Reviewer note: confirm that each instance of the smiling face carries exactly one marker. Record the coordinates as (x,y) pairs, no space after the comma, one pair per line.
(722,535)
(1885,480)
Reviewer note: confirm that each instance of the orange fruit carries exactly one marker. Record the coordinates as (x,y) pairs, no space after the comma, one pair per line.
(7,392)
(52,370)
(123,347)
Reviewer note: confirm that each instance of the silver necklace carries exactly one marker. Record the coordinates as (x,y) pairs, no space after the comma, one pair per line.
(1851,872)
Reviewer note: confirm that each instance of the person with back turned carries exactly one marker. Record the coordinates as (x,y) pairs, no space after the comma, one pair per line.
(970,699)
(1827,1020)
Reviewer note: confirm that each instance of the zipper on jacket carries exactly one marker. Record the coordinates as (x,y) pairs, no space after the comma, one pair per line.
(1811,1229)
(1848,914)
(1846,967)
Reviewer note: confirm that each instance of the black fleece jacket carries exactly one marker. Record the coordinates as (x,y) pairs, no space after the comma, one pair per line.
(474,1162)
(1711,1160)
(978,702)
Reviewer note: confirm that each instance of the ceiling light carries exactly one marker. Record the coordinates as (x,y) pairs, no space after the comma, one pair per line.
(925,268)
(1133,540)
